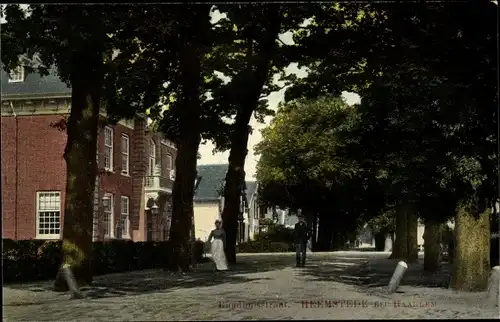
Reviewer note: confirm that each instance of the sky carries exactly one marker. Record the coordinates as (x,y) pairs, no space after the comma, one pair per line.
(207,157)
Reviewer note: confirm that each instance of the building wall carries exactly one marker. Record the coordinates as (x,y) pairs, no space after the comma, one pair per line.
(164,149)
(164,219)
(205,215)
(115,182)
(157,227)
(41,167)
(420,235)
(253,218)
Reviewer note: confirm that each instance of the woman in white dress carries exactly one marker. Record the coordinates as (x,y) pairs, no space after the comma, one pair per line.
(217,238)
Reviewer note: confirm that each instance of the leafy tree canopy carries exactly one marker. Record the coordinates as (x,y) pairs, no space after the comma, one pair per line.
(303,159)
(419,69)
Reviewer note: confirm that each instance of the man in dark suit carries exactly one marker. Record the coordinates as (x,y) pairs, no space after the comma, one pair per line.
(302,236)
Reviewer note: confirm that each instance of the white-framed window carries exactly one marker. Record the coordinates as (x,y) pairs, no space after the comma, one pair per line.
(125,147)
(124,218)
(16,75)
(107,218)
(48,214)
(152,158)
(108,148)
(170,165)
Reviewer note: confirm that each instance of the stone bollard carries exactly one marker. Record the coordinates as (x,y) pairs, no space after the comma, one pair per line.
(70,280)
(494,287)
(397,276)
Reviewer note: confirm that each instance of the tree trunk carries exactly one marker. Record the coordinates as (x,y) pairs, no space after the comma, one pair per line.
(399,247)
(337,241)
(412,238)
(326,231)
(405,246)
(182,203)
(189,111)
(471,263)
(380,241)
(322,233)
(314,232)
(235,178)
(251,80)
(334,234)
(495,246)
(81,168)
(432,246)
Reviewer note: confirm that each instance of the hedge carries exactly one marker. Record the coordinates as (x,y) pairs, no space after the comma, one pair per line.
(31,260)
(265,247)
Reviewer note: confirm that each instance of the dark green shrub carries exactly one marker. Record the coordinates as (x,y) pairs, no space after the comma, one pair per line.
(99,258)
(276,234)
(199,249)
(255,246)
(50,250)
(30,260)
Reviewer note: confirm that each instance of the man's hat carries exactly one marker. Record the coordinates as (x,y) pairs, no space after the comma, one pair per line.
(299,213)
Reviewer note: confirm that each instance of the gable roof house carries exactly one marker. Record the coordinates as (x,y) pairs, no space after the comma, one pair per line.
(208,199)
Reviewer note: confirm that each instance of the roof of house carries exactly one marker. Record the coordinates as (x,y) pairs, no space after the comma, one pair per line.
(251,189)
(34,84)
(212,182)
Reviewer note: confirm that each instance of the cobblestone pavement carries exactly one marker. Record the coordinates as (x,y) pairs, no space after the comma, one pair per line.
(340,285)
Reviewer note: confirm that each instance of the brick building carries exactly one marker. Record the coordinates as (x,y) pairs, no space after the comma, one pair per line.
(131,200)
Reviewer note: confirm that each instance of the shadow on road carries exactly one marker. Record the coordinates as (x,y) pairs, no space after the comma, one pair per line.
(375,273)
(155,281)
(368,271)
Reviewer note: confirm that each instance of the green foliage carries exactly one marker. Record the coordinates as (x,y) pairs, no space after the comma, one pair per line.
(60,36)
(447,235)
(383,223)
(31,260)
(267,222)
(276,233)
(303,142)
(145,73)
(427,82)
(305,156)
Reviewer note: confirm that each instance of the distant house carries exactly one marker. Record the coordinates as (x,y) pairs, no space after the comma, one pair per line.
(158,185)
(252,211)
(420,235)
(208,198)
(288,219)
(280,216)
(366,238)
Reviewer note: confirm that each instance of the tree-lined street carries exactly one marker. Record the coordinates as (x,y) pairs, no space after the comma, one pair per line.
(421,146)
